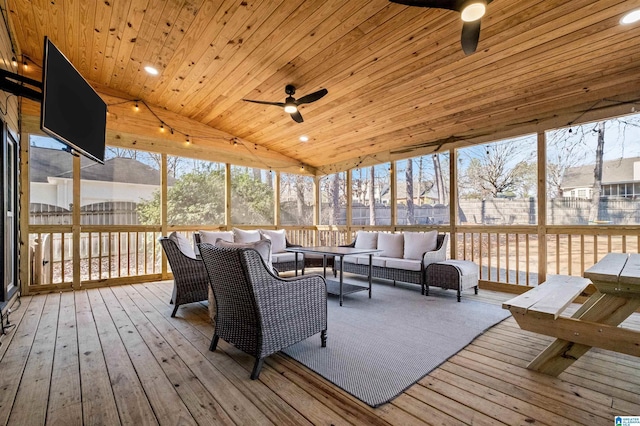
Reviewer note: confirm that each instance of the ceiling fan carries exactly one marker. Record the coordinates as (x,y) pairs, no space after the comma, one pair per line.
(471,11)
(290,104)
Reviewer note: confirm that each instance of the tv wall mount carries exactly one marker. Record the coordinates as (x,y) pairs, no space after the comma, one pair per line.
(15,83)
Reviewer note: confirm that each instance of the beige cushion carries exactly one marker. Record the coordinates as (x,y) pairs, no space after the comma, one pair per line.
(286,257)
(348,259)
(366,240)
(278,239)
(363,259)
(408,264)
(183,243)
(211,236)
(417,243)
(242,236)
(263,247)
(392,245)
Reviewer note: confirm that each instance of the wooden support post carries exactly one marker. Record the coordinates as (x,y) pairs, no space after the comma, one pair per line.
(453,202)
(349,194)
(316,209)
(276,200)
(75,228)
(164,176)
(542,208)
(24,261)
(393,186)
(227,196)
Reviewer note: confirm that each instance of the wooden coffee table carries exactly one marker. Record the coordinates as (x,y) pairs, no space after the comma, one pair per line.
(338,288)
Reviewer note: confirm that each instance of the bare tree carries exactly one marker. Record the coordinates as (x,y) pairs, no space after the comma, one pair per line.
(335,200)
(597,176)
(411,219)
(300,187)
(492,173)
(442,197)
(566,148)
(257,173)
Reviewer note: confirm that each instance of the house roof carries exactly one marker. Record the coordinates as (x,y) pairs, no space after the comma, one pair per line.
(397,78)
(46,162)
(613,171)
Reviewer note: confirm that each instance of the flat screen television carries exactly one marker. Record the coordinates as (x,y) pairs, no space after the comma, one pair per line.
(72,112)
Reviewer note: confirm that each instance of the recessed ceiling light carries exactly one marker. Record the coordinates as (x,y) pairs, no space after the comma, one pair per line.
(304,138)
(631,17)
(151,70)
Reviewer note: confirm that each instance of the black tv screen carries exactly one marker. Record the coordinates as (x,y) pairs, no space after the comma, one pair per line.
(72,111)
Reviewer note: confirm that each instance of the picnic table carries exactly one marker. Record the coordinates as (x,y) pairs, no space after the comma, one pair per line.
(595,324)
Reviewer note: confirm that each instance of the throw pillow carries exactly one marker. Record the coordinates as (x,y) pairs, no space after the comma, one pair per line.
(242,236)
(417,243)
(211,236)
(263,247)
(278,239)
(392,245)
(183,244)
(366,240)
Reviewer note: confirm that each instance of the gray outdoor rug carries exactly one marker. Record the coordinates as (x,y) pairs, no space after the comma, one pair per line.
(378,347)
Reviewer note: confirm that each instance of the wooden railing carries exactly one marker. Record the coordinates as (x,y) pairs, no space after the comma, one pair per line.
(104,253)
(510,255)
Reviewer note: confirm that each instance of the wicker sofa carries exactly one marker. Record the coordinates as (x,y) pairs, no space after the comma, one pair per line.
(404,256)
(281,260)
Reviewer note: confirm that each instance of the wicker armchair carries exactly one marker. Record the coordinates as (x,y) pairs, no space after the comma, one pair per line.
(257,311)
(191,282)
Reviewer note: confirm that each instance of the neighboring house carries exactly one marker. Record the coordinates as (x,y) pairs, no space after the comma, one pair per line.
(620,179)
(118,180)
(428,193)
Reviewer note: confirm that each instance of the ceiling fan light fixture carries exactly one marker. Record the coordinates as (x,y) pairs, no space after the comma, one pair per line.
(290,105)
(631,17)
(473,10)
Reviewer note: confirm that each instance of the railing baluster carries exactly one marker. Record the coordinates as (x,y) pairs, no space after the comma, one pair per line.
(527,255)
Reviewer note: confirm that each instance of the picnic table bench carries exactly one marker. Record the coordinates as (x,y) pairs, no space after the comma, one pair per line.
(595,324)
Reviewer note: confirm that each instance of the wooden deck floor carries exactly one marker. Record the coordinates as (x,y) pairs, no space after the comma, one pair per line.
(115,356)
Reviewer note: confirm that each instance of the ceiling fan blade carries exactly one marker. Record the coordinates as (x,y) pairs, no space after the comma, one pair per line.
(312,97)
(438,4)
(280,104)
(470,36)
(297,117)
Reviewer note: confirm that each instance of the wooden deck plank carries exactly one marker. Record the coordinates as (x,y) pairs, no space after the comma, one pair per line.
(133,406)
(65,399)
(30,404)
(425,403)
(565,393)
(200,403)
(160,392)
(15,357)
(226,392)
(15,318)
(98,402)
(487,383)
(559,413)
(273,402)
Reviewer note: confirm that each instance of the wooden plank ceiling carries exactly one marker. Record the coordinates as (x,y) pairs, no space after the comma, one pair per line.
(397,77)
